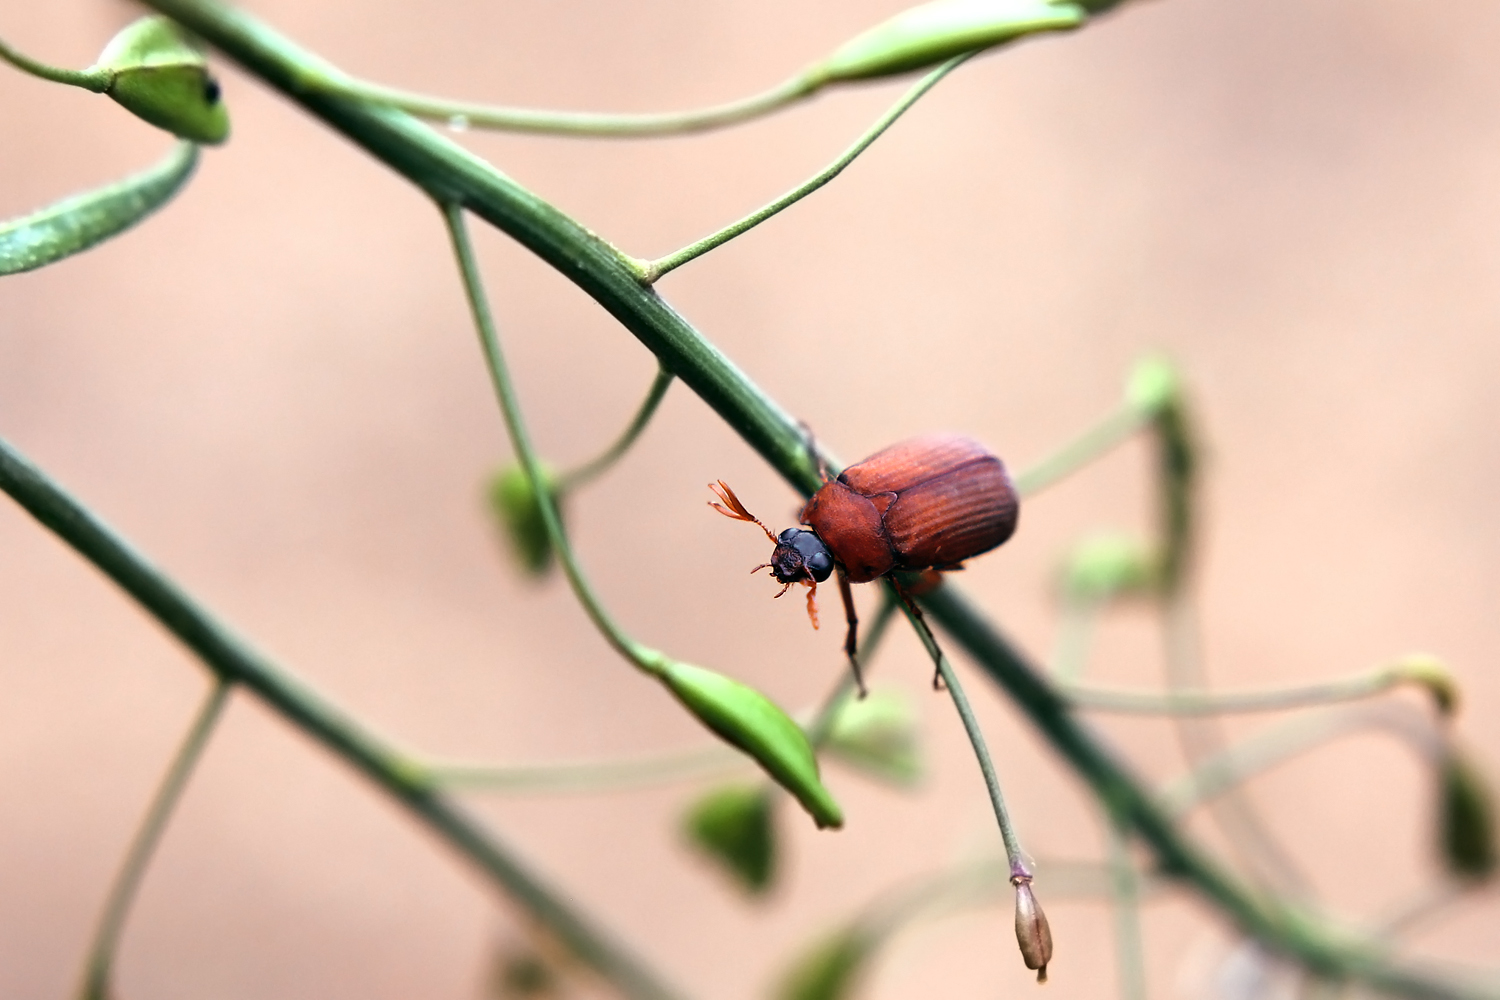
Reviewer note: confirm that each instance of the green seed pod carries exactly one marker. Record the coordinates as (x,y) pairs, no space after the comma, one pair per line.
(1109,566)
(75,224)
(516,507)
(878,735)
(744,717)
(1466,821)
(735,826)
(159,75)
(924,36)
(831,969)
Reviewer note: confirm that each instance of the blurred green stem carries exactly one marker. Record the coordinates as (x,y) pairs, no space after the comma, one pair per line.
(117,905)
(591,470)
(1094,443)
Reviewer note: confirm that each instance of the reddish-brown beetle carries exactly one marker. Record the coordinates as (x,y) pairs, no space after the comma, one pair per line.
(927,503)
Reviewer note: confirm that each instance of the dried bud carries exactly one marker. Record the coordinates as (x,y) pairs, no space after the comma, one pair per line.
(1032,932)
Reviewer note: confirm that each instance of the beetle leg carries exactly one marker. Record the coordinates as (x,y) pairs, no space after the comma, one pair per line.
(921,621)
(784,588)
(812,604)
(851,638)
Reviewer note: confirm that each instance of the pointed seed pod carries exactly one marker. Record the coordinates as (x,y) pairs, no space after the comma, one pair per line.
(734,825)
(159,75)
(519,511)
(1032,932)
(924,36)
(749,720)
(1466,820)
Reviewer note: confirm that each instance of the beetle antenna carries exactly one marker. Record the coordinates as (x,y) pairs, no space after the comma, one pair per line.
(735,509)
(812,604)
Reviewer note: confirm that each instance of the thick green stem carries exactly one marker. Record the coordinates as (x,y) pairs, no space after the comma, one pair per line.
(652,270)
(117,905)
(232,659)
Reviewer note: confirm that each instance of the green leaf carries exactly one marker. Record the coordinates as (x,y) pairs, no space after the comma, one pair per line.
(159,75)
(1107,566)
(878,735)
(831,969)
(1466,819)
(747,719)
(924,36)
(78,223)
(735,826)
(517,508)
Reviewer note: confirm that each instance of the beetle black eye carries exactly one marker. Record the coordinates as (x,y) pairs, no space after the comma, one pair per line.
(819,564)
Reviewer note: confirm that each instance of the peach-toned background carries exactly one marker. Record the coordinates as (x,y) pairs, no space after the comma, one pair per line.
(272,388)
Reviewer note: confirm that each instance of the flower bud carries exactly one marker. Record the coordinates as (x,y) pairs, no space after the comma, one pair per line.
(516,507)
(735,826)
(924,36)
(1108,566)
(749,720)
(878,735)
(159,75)
(1032,932)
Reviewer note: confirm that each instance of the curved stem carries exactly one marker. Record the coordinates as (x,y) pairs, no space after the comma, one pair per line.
(642,657)
(652,270)
(93,79)
(233,659)
(1092,444)
(590,776)
(593,469)
(138,856)
(1187,701)
(581,124)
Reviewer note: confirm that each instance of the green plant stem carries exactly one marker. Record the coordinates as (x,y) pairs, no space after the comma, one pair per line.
(92,79)
(1075,638)
(1013,852)
(591,776)
(653,270)
(1093,443)
(117,905)
(643,657)
(1235,764)
(1125,899)
(591,470)
(581,124)
(232,659)
(1186,701)
(448,172)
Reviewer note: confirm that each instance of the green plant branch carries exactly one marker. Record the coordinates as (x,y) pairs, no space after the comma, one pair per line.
(122,893)
(448,172)
(93,79)
(592,469)
(652,270)
(1125,901)
(232,659)
(1097,441)
(569,123)
(589,776)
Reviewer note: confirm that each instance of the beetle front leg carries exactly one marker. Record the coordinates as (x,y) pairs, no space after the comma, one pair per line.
(851,639)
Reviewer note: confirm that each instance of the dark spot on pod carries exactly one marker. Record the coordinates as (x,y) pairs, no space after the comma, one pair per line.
(211,91)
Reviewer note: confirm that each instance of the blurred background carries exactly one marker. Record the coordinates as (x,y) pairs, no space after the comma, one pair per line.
(273,389)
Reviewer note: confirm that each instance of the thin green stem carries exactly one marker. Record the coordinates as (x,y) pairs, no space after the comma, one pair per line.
(1232,766)
(581,124)
(653,270)
(231,658)
(1092,444)
(1075,638)
(143,845)
(1125,900)
(93,79)
(646,659)
(590,776)
(591,470)
(1013,852)
(1187,701)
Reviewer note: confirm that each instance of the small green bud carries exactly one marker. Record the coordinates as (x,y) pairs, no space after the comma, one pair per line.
(1466,821)
(516,507)
(878,735)
(159,75)
(1154,385)
(1108,566)
(1432,674)
(735,826)
(1032,931)
(924,36)
(747,719)
(831,969)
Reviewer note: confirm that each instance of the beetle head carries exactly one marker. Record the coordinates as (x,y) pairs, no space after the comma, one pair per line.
(800,555)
